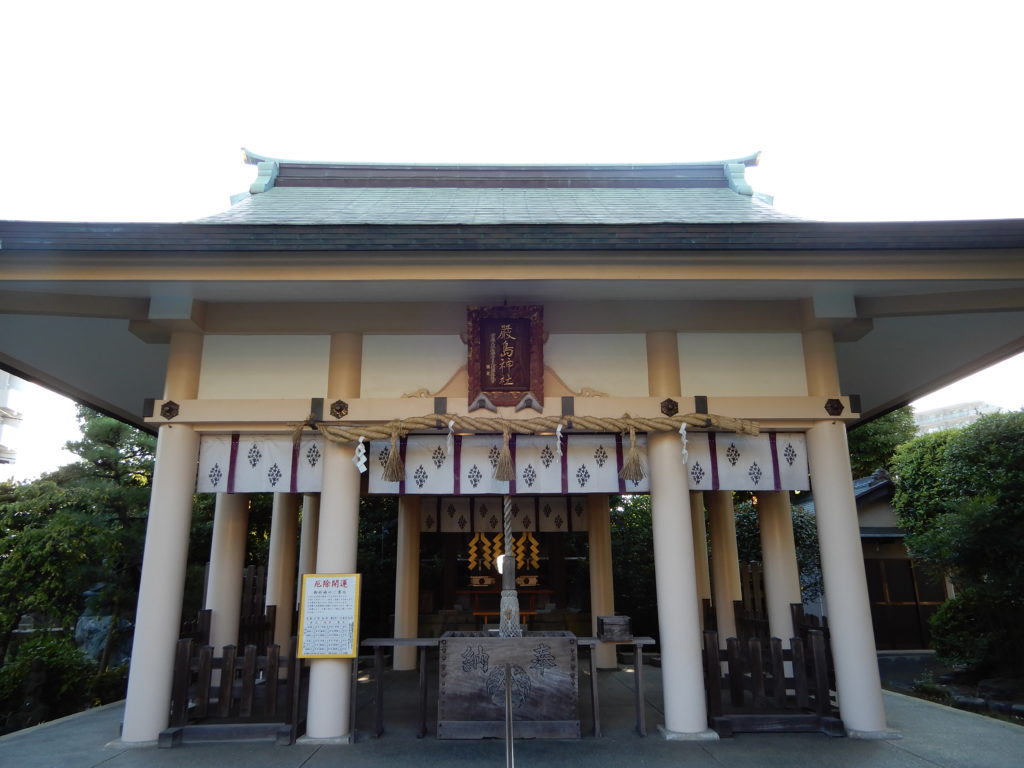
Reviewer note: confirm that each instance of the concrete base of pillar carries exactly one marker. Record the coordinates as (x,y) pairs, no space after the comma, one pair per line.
(118,744)
(668,735)
(335,740)
(874,735)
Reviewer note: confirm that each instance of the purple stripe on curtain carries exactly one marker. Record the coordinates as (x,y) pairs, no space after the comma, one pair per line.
(565,466)
(619,461)
(401,454)
(294,487)
(231,462)
(776,476)
(713,451)
(457,465)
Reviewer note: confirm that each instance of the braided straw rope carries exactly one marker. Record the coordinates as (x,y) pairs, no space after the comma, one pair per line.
(348,433)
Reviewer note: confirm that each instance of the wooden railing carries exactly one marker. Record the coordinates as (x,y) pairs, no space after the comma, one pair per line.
(231,696)
(759,686)
(253,629)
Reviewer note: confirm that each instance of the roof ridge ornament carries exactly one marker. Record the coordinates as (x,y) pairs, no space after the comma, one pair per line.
(266,175)
(735,173)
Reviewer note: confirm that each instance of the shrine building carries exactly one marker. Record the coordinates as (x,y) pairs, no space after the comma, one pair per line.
(457,334)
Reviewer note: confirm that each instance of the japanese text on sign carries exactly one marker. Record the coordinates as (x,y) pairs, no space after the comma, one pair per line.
(329,615)
(507,357)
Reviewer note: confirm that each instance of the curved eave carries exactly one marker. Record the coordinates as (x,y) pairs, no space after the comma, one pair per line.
(254,158)
(797,236)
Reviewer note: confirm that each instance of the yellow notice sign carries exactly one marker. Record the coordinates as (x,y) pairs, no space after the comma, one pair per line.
(329,616)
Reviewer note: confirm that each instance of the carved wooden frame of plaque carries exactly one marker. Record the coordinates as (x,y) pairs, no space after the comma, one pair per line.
(528,378)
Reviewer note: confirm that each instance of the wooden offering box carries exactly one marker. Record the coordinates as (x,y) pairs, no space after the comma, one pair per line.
(614,629)
(545,691)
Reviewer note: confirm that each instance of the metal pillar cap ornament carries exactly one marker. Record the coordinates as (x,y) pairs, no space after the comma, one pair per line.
(669,407)
(482,401)
(529,401)
(339,409)
(170,409)
(833,407)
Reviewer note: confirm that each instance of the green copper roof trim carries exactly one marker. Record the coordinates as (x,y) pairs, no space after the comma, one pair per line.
(253,158)
(734,173)
(266,174)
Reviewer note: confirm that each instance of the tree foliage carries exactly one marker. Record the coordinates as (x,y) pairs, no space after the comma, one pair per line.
(45,543)
(72,537)
(922,484)
(377,559)
(44,682)
(633,563)
(960,495)
(873,444)
(77,529)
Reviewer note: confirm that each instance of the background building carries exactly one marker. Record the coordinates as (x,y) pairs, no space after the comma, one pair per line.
(951,416)
(10,416)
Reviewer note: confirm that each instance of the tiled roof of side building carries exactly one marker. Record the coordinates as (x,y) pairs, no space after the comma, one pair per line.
(338,194)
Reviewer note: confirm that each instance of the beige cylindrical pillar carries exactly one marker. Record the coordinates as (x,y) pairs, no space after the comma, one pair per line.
(700,549)
(307,539)
(227,562)
(725,563)
(158,616)
(778,554)
(842,568)
(284,524)
(675,574)
(407,580)
(602,589)
(337,543)
(842,559)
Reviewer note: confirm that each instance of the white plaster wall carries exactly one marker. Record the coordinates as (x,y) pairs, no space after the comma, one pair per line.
(396,365)
(742,364)
(613,363)
(264,366)
(877,514)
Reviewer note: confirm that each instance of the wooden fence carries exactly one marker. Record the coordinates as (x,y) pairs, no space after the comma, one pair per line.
(256,619)
(235,696)
(198,629)
(757,686)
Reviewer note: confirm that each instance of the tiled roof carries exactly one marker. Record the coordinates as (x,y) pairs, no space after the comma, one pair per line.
(862,487)
(454,205)
(912,239)
(287,192)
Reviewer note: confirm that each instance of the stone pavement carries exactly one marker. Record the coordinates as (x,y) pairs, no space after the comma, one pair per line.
(932,735)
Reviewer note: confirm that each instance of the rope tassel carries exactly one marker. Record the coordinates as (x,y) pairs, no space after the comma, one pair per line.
(394,472)
(632,467)
(504,470)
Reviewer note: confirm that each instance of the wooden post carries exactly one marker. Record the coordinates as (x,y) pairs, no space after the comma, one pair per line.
(273,675)
(179,692)
(713,674)
(227,681)
(248,693)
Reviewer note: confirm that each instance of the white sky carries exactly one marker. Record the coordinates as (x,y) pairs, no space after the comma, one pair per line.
(876,110)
